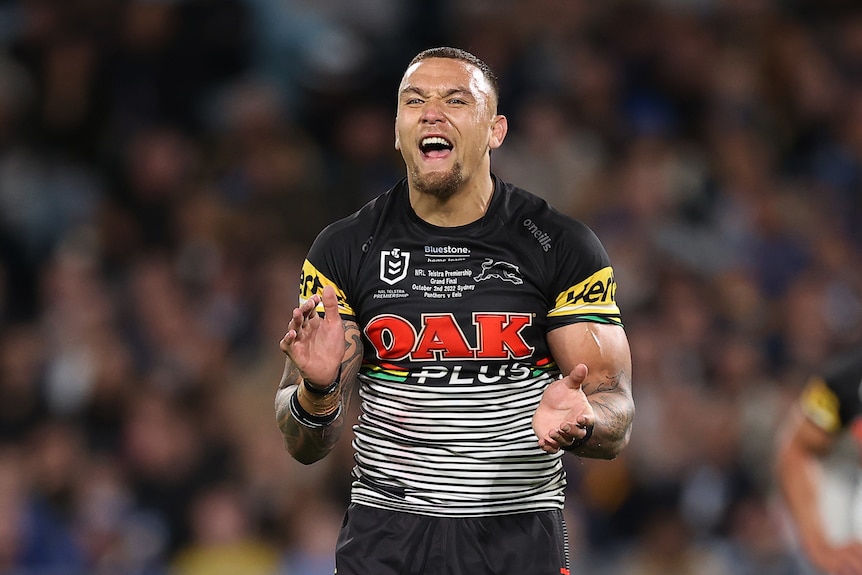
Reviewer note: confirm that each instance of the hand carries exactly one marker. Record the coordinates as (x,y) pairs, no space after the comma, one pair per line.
(315,344)
(840,560)
(564,413)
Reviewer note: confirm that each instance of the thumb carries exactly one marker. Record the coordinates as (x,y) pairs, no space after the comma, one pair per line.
(577,376)
(330,303)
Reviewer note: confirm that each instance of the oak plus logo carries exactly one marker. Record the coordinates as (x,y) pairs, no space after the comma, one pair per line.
(498,335)
(393,265)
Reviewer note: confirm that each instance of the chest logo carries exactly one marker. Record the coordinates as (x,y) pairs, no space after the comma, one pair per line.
(393,265)
(500,270)
(440,337)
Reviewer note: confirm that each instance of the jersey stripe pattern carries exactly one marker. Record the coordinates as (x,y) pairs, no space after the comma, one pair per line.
(455,355)
(471,450)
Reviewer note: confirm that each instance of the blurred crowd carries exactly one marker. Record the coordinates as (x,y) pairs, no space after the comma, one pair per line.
(165,164)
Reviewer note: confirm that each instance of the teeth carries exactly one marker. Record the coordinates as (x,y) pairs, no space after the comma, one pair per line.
(434,140)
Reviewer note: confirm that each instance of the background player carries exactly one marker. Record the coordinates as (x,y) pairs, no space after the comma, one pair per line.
(828,410)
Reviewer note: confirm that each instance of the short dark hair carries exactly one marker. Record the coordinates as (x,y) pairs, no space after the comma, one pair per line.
(464,56)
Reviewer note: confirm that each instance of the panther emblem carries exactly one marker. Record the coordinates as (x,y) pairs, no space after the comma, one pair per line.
(500,270)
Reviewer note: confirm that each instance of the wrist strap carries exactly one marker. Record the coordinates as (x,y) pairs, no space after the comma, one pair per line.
(580,441)
(317,390)
(309,420)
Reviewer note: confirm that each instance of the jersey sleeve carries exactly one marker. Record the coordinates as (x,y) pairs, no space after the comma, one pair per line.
(584,288)
(326,265)
(832,400)
(821,405)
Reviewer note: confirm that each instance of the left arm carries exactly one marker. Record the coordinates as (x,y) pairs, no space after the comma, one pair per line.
(590,410)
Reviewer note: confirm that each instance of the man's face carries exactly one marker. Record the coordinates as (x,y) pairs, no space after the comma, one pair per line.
(446,124)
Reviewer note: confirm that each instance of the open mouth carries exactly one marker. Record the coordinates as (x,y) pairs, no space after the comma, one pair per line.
(435,147)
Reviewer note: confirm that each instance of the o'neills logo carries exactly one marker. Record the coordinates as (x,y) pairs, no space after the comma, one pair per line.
(543,238)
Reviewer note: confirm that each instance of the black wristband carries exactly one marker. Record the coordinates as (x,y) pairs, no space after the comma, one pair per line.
(579,442)
(309,420)
(316,390)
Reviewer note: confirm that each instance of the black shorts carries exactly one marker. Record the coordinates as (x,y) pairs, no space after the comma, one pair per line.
(379,542)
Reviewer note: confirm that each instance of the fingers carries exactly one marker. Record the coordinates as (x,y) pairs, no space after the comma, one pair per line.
(306,312)
(299,319)
(548,446)
(569,434)
(565,436)
(303,313)
(308,308)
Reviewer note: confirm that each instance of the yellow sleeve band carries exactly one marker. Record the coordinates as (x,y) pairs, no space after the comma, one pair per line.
(312,282)
(821,405)
(595,296)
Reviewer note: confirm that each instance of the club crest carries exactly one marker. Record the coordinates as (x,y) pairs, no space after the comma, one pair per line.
(393,265)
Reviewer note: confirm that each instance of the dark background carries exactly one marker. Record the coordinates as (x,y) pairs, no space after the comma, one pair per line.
(164,166)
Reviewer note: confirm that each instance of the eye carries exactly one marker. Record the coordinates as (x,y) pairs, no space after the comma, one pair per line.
(457,102)
(412,101)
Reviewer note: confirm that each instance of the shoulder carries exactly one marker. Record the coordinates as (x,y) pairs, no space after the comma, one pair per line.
(358,228)
(831,396)
(534,216)
(342,247)
(573,264)
(845,372)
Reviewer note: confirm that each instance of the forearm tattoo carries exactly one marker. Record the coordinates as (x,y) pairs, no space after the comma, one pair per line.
(309,444)
(612,401)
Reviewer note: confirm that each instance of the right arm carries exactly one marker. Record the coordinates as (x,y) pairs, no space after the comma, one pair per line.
(802,445)
(317,348)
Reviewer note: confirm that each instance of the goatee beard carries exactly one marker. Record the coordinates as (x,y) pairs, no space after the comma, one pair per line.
(441,186)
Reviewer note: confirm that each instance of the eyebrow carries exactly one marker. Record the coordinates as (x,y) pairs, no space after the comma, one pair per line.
(451,92)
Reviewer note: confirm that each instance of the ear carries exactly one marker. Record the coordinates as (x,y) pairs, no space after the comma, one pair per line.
(499,129)
(397,139)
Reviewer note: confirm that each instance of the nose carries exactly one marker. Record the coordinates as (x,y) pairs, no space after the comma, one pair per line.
(432,112)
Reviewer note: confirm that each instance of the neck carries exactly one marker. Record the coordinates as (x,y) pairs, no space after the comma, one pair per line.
(465,206)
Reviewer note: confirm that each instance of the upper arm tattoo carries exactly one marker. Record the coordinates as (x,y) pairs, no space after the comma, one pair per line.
(611,383)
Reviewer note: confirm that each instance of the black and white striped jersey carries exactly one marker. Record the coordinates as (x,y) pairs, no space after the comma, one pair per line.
(454,323)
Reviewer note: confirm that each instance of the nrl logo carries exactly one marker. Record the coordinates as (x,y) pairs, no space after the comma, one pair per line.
(393,265)
(500,270)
